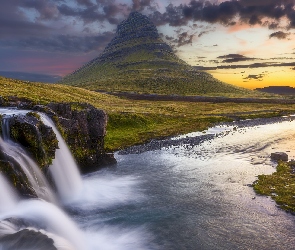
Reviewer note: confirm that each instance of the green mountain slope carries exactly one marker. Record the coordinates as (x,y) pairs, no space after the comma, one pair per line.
(137,60)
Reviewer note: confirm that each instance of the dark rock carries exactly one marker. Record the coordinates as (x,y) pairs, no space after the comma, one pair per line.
(27,239)
(35,136)
(14,101)
(279,156)
(83,127)
(1,101)
(15,175)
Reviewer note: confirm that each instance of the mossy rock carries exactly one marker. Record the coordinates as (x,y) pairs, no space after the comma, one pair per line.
(35,136)
(16,177)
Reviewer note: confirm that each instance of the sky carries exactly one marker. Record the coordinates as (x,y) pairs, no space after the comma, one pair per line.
(249,43)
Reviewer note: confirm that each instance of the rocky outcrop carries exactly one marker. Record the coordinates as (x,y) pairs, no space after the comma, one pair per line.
(39,141)
(35,136)
(82,126)
(279,156)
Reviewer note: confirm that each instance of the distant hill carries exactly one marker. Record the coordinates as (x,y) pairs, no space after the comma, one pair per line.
(138,60)
(31,76)
(280,90)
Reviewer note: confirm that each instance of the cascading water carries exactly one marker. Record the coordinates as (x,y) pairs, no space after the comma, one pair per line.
(64,169)
(45,220)
(194,195)
(66,177)
(8,199)
(28,166)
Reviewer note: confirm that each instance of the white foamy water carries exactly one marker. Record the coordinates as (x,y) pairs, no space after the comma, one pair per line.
(64,168)
(103,190)
(184,197)
(46,214)
(32,171)
(8,198)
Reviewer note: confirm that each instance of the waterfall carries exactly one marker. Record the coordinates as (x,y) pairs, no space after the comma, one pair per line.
(64,169)
(8,199)
(65,176)
(27,165)
(57,223)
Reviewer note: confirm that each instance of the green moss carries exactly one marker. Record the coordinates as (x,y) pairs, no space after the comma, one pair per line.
(280,186)
(37,138)
(34,114)
(126,129)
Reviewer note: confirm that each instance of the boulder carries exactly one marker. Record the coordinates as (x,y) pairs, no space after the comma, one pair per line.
(279,156)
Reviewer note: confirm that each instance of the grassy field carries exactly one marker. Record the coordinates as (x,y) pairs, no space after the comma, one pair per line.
(137,121)
(280,186)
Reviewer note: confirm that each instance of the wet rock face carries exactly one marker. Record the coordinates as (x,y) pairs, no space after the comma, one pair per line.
(35,136)
(84,128)
(27,239)
(37,139)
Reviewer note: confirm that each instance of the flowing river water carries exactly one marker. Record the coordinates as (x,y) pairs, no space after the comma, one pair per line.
(186,196)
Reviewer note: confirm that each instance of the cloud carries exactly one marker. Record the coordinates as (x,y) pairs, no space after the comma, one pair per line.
(252,12)
(140,5)
(46,9)
(63,43)
(230,58)
(252,66)
(258,77)
(279,35)
(185,38)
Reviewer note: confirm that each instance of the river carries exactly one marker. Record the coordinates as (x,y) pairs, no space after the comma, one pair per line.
(187,196)
(198,197)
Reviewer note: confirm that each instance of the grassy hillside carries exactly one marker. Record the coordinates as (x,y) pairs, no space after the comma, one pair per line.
(138,60)
(137,121)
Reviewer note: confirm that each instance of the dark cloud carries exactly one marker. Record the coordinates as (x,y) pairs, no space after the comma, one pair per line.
(85,2)
(229,12)
(63,43)
(279,35)
(258,77)
(231,58)
(185,38)
(251,66)
(140,5)
(47,10)
(87,15)
(203,33)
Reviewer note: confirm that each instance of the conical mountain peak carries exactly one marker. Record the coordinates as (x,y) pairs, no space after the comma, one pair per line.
(138,60)
(136,23)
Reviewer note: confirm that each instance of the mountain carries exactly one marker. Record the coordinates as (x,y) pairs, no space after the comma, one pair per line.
(280,90)
(138,60)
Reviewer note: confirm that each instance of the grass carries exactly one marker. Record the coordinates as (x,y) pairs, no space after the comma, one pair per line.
(147,65)
(138,121)
(280,186)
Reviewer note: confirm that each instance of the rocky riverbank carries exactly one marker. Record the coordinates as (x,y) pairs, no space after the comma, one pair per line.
(82,126)
(195,140)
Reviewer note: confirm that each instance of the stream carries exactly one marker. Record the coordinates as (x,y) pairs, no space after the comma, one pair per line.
(185,196)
